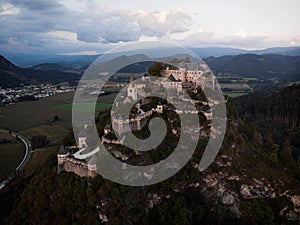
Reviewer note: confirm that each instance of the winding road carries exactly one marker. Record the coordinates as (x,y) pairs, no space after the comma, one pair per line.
(28,151)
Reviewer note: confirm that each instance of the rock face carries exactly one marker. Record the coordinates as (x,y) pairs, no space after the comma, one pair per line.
(292,213)
(228,199)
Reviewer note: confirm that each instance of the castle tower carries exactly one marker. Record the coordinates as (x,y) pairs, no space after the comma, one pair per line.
(132,90)
(82,138)
(61,157)
(131,78)
(92,167)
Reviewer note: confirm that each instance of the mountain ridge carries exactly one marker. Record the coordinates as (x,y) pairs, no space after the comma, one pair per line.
(26,60)
(13,76)
(257,66)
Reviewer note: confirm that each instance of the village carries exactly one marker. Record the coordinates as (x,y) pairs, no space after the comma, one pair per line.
(32,92)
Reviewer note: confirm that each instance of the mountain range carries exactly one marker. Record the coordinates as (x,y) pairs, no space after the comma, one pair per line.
(12,75)
(25,60)
(266,66)
(257,66)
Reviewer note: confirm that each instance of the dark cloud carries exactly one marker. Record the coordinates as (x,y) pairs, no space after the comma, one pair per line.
(36,18)
(38,5)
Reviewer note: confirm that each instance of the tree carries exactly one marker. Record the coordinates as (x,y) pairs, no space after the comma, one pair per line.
(256,212)
(273,158)
(286,153)
(155,69)
(55,118)
(69,139)
(39,141)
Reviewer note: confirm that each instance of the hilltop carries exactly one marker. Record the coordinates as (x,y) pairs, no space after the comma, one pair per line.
(256,170)
(13,76)
(257,66)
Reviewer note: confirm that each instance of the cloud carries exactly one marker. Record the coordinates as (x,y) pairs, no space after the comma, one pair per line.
(65,35)
(161,23)
(82,53)
(251,41)
(239,39)
(8,9)
(75,26)
(35,22)
(37,5)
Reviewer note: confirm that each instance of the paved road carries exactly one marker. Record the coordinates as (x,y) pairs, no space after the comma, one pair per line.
(28,150)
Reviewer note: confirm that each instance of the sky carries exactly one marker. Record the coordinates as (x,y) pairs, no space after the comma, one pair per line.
(75,27)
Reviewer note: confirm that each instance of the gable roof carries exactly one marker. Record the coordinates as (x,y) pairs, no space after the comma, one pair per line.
(173,79)
(128,99)
(83,133)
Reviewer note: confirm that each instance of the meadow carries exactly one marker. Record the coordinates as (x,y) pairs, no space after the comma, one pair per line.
(32,118)
(11,154)
(29,114)
(84,107)
(39,158)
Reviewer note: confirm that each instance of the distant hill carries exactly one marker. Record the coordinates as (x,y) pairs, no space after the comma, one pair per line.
(83,60)
(291,51)
(269,66)
(25,60)
(13,76)
(259,66)
(221,51)
(53,66)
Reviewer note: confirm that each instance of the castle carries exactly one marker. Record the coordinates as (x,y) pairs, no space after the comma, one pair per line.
(172,80)
(198,76)
(69,163)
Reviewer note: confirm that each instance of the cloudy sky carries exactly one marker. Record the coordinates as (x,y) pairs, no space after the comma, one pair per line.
(91,26)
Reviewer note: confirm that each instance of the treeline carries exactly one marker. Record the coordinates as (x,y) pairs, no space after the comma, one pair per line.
(282,107)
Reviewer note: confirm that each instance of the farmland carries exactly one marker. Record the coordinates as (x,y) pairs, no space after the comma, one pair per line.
(29,114)
(11,154)
(32,118)
(83,107)
(39,158)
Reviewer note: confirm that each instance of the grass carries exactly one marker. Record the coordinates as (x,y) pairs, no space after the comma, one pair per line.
(84,107)
(235,95)
(52,131)
(250,78)
(234,86)
(39,158)
(11,155)
(29,114)
(34,118)
(31,118)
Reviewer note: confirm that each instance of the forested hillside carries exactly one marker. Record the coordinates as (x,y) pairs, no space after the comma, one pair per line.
(257,66)
(13,76)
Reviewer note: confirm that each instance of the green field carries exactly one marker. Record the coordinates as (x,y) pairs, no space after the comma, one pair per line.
(39,158)
(53,131)
(32,118)
(235,95)
(250,78)
(11,155)
(234,86)
(29,114)
(84,107)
